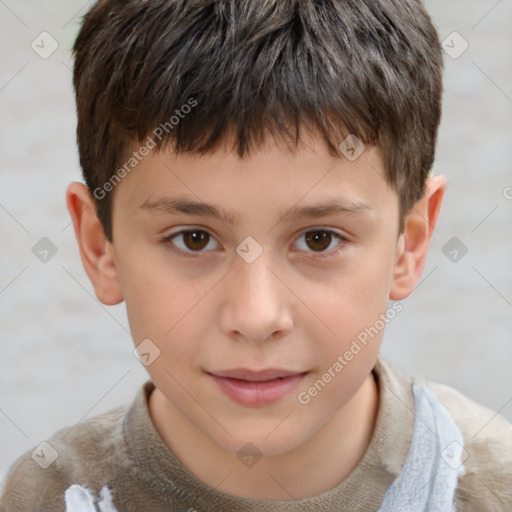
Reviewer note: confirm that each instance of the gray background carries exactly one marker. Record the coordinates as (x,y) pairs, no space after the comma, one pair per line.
(66,357)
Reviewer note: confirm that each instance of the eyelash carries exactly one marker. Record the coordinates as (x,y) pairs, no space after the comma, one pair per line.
(315,256)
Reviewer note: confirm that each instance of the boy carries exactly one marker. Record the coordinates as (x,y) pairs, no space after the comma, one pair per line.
(257,190)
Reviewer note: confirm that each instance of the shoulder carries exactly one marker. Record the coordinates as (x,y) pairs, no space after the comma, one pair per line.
(87,453)
(487,482)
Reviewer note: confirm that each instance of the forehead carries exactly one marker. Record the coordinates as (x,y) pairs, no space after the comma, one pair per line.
(307,183)
(181,205)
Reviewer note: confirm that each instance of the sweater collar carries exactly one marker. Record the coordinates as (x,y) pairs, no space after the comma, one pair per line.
(380,465)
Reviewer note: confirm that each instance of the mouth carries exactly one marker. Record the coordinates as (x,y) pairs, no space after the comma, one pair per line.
(256,388)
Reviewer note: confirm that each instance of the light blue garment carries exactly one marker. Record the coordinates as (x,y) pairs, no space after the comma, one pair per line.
(80,499)
(428,479)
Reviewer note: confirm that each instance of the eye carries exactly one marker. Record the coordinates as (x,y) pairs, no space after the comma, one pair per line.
(319,240)
(189,241)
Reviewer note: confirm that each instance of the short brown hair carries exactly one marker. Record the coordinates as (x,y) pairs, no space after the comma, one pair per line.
(372,68)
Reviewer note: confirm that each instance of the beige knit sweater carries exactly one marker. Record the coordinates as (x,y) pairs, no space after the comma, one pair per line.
(122,450)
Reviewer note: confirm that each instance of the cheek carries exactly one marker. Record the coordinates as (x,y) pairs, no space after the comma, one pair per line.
(353,299)
(349,313)
(160,305)
(168,318)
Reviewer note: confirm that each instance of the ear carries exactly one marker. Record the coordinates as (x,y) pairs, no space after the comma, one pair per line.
(96,252)
(414,241)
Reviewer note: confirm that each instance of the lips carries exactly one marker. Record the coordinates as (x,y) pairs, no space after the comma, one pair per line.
(255,376)
(256,388)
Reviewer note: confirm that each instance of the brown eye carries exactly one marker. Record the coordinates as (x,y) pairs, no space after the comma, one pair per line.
(320,243)
(318,240)
(190,242)
(195,240)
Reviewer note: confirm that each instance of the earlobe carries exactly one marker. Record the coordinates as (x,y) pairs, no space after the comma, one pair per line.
(413,243)
(96,252)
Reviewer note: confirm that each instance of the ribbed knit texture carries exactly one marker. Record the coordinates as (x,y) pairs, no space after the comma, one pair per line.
(122,450)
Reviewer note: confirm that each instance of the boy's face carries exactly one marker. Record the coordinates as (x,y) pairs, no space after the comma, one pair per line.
(211,303)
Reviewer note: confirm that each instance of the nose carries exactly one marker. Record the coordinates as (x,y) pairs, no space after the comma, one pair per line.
(258,305)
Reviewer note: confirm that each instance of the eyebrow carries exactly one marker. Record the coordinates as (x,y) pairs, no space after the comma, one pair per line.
(183,206)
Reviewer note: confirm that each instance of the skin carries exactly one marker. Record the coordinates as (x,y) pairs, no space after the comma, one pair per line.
(287,309)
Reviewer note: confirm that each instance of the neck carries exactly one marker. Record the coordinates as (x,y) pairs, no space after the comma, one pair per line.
(329,455)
